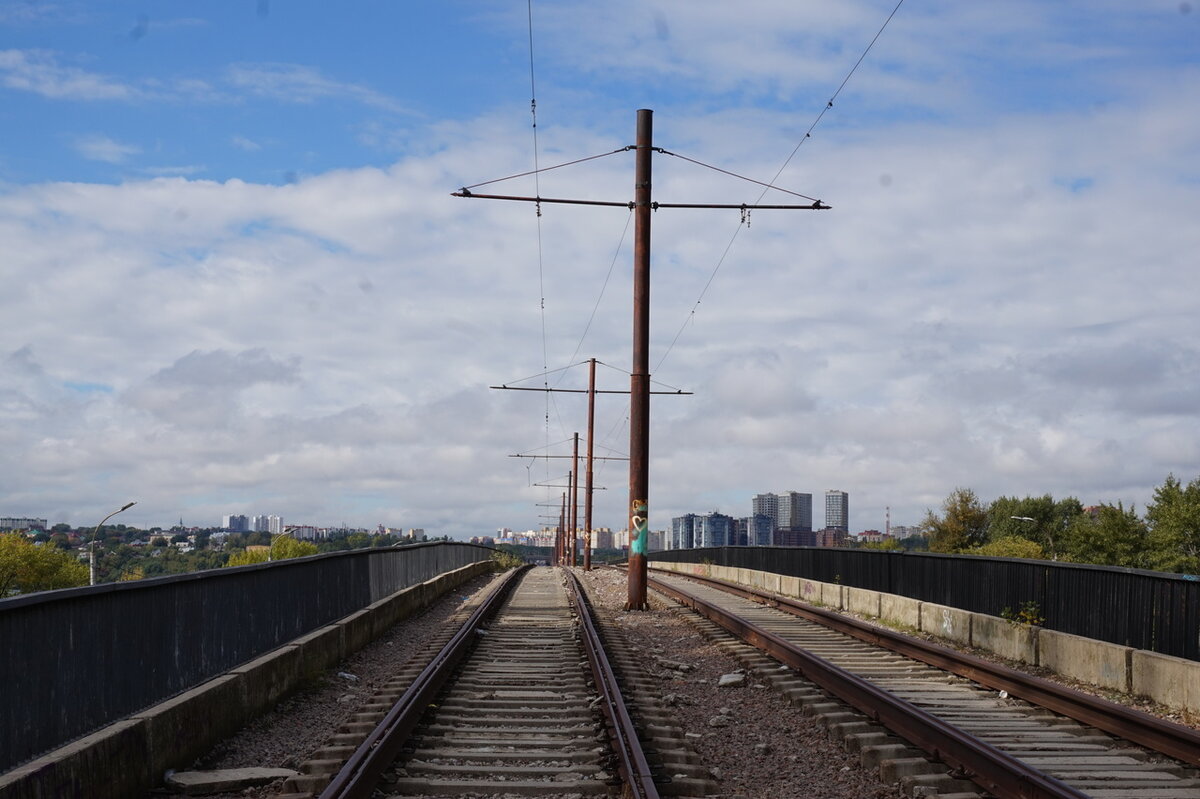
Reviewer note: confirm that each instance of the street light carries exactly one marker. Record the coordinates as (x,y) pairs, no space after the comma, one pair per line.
(287,530)
(1049,538)
(96,532)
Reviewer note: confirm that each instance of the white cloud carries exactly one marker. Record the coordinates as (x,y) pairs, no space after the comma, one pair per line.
(97,147)
(1000,299)
(243,143)
(38,71)
(297,83)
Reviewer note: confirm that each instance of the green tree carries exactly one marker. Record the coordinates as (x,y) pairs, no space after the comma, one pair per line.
(132,573)
(284,547)
(1012,546)
(962,525)
(1112,536)
(26,567)
(886,545)
(1174,520)
(246,557)
(1039,519)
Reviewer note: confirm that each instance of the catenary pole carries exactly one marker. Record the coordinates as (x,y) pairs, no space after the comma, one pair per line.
(639,379)
(587,498)
(575,503)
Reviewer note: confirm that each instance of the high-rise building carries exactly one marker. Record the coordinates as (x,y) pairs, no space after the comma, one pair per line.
(14,523)
(656,540)
(766,505)
(236,523)
(714,530)
(795,511)
(837,510)
(759,530)
(683,532)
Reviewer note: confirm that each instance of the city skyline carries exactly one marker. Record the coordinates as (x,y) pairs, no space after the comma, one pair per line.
(237,277)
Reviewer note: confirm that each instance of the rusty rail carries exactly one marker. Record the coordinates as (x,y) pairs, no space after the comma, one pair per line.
(1173,740)
(634,768)
(361,773)
(987,766)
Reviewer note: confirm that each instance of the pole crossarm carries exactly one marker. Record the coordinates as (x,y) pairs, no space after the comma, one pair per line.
(816,205)
(568,457)
(561,485)
(539,200)
(679,392)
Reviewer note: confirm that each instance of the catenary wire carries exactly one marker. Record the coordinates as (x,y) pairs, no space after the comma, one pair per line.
(807,135)
(538,207)
(612,265)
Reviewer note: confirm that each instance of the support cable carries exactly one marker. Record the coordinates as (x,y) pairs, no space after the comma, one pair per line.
(600,297)
(536,171)
(537,191)
(769,186)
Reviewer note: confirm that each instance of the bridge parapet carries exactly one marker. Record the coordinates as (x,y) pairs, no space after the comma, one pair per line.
(75,660)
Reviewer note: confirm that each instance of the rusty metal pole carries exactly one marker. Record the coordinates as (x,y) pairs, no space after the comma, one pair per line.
(639,380)
(587,497)
(562,530)
(575,504)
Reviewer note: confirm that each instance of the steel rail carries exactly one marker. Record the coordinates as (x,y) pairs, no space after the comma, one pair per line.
(363,770)
(635,769)
(985,765)
(1173,740)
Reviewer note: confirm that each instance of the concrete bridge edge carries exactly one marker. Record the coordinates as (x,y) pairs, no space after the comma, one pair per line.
(130,756)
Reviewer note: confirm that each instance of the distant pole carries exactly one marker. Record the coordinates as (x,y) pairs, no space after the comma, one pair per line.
(639,379)
(575,503)
(587,497)
(92,549)
(562,528)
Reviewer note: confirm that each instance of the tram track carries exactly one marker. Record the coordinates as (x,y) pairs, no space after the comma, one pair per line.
(522,700)
(900,693)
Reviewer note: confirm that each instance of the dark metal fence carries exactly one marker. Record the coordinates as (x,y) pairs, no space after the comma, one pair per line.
(72,661)
(1141,609)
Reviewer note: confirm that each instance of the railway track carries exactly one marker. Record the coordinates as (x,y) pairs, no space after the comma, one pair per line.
(520,701)
(900,693)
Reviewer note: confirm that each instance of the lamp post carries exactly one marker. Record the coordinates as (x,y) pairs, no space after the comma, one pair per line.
(287,530)
(96,532)
(1049,538)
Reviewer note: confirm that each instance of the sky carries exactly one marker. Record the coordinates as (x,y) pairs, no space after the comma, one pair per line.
(234,278)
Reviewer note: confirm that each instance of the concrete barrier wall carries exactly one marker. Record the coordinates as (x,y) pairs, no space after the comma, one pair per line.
(1096,662)
(1171,681)
(901,611)
(1008,640)
(946,622)
(862,601)
(129,757)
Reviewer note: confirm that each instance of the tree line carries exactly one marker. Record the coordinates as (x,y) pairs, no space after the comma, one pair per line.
(1165,538)
(48,560)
